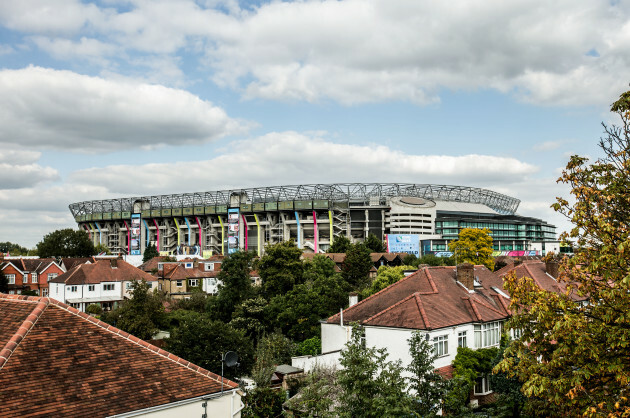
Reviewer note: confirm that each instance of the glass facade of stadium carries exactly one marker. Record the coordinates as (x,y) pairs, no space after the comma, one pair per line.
(312,215)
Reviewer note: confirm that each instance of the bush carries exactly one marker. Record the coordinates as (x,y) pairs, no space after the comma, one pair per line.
(94,309)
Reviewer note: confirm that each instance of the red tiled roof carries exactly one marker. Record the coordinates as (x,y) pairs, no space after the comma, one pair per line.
(430,298)
(102,271)
(57,361)
(68,263)
(537,271)
(446,371)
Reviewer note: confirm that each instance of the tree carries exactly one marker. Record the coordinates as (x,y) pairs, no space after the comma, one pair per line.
(202,341)
(102,248)
(357,265)
(374,244)
(140,315)
(236,285)
(299,312)
(249,317)
(13,249)
(310,347)
(340,245)
(150,252)
(317,395)
(4,283)
(574,355)
(428,386)
(474,246)
(370,385)
(66,243)
(385,277)
(511,401)
(280,268)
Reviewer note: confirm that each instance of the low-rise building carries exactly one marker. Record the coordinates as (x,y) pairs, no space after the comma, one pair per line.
(106,282)
(58,361)
(30,273)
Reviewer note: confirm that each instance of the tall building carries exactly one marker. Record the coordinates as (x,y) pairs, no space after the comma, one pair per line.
(221,222)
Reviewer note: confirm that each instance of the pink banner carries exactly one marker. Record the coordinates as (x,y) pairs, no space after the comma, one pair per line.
(315,233)
(157,230)
(245,225)
(128,236)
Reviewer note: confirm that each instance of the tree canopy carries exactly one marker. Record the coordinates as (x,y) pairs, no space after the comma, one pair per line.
(385,276)
(374,244)
(66,243)
(13,249)
(280,268)
(340,244)
(150,252)
(573,356)
(357,265)
(473,246)
(236,284)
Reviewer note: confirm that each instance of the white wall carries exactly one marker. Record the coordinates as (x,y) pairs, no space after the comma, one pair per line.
(334,337)
(225,406)
(308,363)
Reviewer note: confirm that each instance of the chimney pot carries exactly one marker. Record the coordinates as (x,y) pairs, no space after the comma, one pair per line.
(466,275)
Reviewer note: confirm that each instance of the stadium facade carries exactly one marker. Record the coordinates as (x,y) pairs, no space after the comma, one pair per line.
(312,215)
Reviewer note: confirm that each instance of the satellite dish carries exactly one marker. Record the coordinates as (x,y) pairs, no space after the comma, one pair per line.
(230,358)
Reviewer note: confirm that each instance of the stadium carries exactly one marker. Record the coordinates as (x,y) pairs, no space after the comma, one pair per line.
(416,218)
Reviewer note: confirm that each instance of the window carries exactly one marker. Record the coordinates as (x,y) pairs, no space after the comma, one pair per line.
(51,276)
(36,292)
(44,292)
(73,288)
(179,283)
(108,286)
(482,385)
(189,265)
(34,277)
(25,278)
(209,266)
(440,345)
(10,278)
(487,335)
(128,285)
(461,339)
(193,282)
(91,288)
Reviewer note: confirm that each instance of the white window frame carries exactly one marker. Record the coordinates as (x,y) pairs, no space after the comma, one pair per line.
(73,289)
(91,288)
(188,265)
(108,287)
(33,277)
(440,345)
(45,292)
(193,282)
(25,278)
(179,283)
(52,276)
(482,385)
(462,339)
(209,266)
(10,278)
(488,334)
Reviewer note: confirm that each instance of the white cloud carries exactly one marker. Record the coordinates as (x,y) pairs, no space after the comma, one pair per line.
(550,145)
(64,110)
(18,169)
(293,158)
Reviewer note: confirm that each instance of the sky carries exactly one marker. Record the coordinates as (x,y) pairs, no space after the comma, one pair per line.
(118,98)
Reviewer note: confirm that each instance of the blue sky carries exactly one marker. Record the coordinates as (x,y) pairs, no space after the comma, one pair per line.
(113,98)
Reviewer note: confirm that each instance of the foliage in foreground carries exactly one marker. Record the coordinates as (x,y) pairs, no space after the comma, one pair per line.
(573,357)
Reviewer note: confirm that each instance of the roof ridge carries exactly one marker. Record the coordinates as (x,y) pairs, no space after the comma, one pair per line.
(483,303)
(23,330)
(390,307)
(532,276)
(377,293)
(132,338)
(423,314)
(431,282)
(474,309)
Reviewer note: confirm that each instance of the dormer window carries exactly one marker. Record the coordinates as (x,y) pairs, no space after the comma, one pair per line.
(209,266)
(189,265)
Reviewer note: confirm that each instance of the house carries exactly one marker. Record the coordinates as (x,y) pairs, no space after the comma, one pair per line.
(105,282)
(30,273)
(178,279)
(58,361)
(69,262)
(453,306)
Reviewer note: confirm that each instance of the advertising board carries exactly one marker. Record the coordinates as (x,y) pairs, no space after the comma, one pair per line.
(135,234)
(233,229)
(398,243)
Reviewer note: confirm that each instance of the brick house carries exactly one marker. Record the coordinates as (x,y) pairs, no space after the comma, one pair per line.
(30,274)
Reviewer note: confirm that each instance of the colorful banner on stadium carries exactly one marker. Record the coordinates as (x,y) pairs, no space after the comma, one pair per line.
(515,253)
(409,244)
(233,229)
(135,234)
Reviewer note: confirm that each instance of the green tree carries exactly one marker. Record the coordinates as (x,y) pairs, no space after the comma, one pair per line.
(4,283)
(317,395)
(263,402)
(299,312)
(340,245)
(319,266)
(140,315)
(94,309)
(371,386)
(511,401)
(13,249)
(574,355)
(203,341)
(357,265)
(429,387)
(310,347)
(249,317)
(385,277)
(474,246)
(66,243)
(431,260)
(374,244)
(150,252)
(236,285)
(280,268)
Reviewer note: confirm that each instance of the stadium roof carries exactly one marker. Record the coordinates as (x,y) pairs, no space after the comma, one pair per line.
(350,192)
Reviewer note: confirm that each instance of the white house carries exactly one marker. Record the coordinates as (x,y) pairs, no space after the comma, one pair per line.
(453,307)
(104,282)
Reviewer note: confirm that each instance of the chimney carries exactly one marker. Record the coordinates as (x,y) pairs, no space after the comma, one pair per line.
(114,262)
(517,261)
(551,266)
(466,275)
(353,299)
(195,262)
